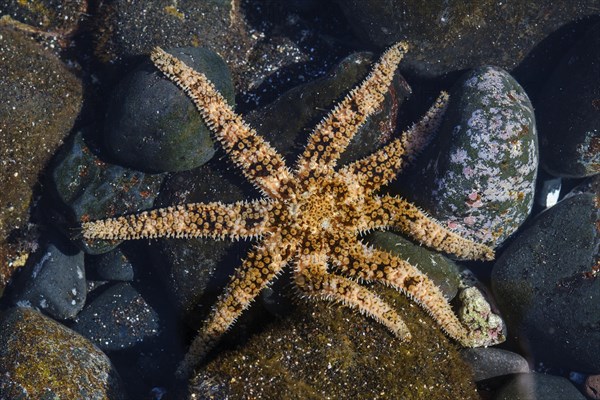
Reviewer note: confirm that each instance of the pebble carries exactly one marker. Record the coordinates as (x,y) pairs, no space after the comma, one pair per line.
(546,286)
(152,125)
(84,187)
(592,387)
(491,362)
(118,318)
(568,111)
(537,386)
(53,280)
(478,177)
(42,359)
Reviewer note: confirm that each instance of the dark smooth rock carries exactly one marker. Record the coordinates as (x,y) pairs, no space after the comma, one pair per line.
(111,266)
(42,359)
(478,177)
(537,386)
(328,351)
(87,188)
(568,110)
(119,318)
(455,35)
(489,363)
(546,285)
(40,100)
(152,125)
(53,280)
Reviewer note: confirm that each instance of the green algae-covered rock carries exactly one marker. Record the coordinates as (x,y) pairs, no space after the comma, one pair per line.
(479,176)
(324,351)
(441,270)
(152,125)
(41,359)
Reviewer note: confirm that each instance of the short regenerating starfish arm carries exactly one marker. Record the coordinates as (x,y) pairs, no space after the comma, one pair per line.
(332,135)
(396,213)
(371,264)
(258,160)
(312,278)
(216,220)
(258,269)
(382,166)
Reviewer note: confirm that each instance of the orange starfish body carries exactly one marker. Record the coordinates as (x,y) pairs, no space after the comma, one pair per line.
(309,217)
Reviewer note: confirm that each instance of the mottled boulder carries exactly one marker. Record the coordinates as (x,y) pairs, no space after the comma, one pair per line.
(546,285)
(41,359)
(40,100)
(86,188)
(478,177)
(568,110)
(490,362)
(152,125)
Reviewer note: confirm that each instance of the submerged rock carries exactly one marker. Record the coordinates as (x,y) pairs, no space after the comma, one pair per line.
(41,359)
(480,172)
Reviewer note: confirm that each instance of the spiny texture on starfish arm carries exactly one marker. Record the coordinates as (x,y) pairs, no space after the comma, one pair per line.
(310,217)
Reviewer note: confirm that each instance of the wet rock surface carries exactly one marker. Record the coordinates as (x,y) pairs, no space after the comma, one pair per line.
(53,281)
(536,386)
(41,99)
(152,125)
(569,111)
(478,177)
(313,354)
(42,359)
(546,285)
(456,35)
(489,363)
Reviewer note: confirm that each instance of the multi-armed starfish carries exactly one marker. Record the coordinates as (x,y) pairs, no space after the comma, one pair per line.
(309,217)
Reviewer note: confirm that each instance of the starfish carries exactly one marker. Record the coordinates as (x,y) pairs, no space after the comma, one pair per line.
(309,217)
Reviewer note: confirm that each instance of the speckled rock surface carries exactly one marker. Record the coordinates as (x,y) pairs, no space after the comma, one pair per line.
(41,359)
(152,125)
(536,386)
(480,172)
(546,285)
(53,281)
(324,351)
(118,318)
(86,188)
(111,266)
(454,35)
(40,101)
(568,109)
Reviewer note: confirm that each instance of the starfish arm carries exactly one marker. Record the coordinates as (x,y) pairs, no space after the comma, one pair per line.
(258,160)
(394,212)
(312,278)
(331,137)
(216,220)
(258,269)
(371,264)
(381,167)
